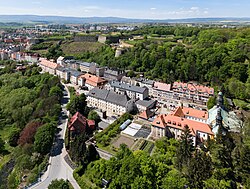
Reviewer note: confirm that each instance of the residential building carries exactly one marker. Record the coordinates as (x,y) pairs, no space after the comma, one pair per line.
(142,82)
(133,92)
(63,73)
(172,126)
(146,114)
(143,105)
(74,75)
(192,114)
(100,71)
(91,81)
(48,66)
(162,91)
(109,102)
(191,91)
(111,75)
(79,124)
(88,67)
(68,74)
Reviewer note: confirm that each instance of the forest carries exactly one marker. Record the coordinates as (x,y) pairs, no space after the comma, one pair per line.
(29,112)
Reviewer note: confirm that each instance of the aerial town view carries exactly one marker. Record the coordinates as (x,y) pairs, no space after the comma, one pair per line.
(125,94)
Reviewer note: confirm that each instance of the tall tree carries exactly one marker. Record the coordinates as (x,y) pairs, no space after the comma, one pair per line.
(199,169)
(186,148)
(77,104)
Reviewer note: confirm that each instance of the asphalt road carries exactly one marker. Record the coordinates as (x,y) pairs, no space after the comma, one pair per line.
(58,168)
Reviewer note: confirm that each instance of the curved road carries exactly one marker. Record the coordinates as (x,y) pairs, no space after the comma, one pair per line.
(58,168)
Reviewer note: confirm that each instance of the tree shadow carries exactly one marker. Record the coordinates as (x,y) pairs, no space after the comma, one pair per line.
(57,147)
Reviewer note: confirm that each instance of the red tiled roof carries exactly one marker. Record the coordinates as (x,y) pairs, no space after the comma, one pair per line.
(93,80)
(146,114)
(182,112)
(159,121)
(47,63)
(91,124)
(179,123)
(77,118)
(191,87)
(178,112)
(162,86)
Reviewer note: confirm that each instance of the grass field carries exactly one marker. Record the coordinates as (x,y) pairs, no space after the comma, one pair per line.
(75,48)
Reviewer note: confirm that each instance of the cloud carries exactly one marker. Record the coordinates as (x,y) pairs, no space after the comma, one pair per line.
(194,8)
(152,8)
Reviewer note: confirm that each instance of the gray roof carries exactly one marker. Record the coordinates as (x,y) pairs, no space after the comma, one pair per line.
(112,72)
(127,87)
(75,73)
(109,96)
(87,64)
(71,71)
(62,69)
(145,81)
(145,103)
(73,61)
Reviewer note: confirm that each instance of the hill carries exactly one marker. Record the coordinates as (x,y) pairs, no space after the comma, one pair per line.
(80,20)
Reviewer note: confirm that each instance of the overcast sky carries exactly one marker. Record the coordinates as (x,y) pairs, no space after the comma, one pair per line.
(154,9)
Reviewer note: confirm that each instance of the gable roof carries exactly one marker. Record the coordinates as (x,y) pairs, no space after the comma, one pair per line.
(178,112)
(162,86)
(92,79)
(128,87)
(109,96)
(47,63)
(169,120)
(146,114)
(192,87)
(185,111)
(77,117)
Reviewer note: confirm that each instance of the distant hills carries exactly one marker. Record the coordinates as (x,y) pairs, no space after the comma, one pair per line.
(81,20)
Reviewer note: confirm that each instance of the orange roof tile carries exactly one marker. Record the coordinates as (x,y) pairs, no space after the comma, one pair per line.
(146,114)
(162,86)
(48,63)
(182,112)
(179,123)
(159,121)
(93,80)
(192,87)
(178,112)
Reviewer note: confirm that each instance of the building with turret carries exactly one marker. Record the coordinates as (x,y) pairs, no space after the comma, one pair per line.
(220,117)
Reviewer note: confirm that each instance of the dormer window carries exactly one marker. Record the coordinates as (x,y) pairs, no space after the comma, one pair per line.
(174,123)
(157,122)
